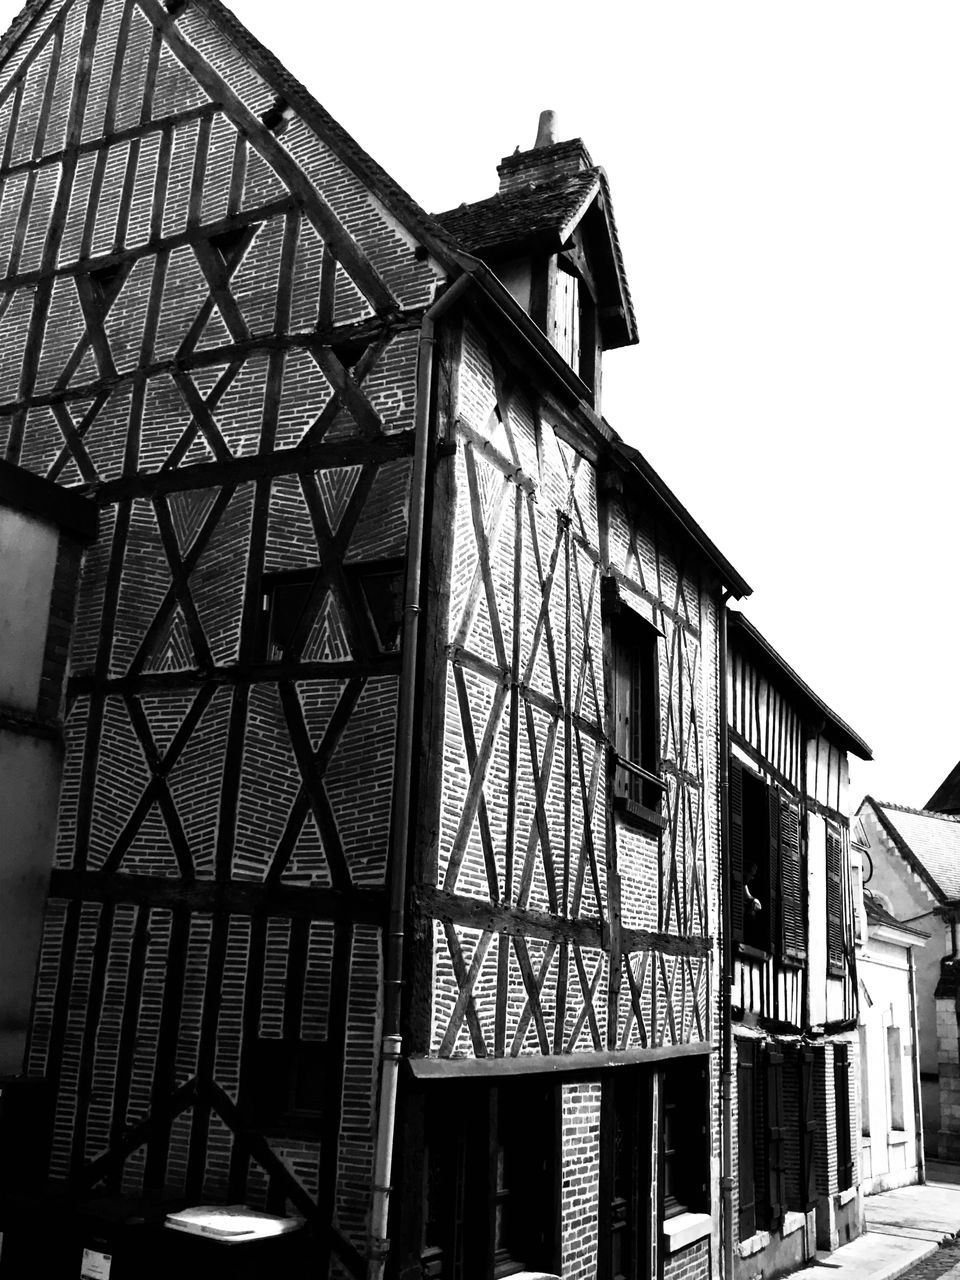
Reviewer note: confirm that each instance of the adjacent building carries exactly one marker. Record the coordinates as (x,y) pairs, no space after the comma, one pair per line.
(891,1143)
(913,872)
(793,992)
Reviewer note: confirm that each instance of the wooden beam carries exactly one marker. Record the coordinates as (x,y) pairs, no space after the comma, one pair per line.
(550,1064)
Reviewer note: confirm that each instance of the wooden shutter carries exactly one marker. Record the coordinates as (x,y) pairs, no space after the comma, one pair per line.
(773,829)
(841,1088)
(835,949)
(776,1171)
(793,934)
(735,807)
(746,1107)
(808,1129)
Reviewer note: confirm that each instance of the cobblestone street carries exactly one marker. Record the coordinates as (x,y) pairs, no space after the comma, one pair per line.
(945,1262)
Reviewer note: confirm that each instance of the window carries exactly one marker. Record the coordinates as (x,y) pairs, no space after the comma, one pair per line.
(636,709)
(806,1190)
(285,1085)
(762,1135)
(625,1174)
(293,602)
(492,1192)
(864,1082)
(836,942)
(287,599)
(767,908)
(685,1142)
(628,1214)
(895,1075)
(841,1088)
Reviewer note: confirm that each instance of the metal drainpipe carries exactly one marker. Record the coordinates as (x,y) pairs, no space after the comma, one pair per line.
(915,1037)
(391,1043)
(726,1059)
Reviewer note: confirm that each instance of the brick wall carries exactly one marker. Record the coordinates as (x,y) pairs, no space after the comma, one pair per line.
(182,340)
(688,1264)
(581,1180)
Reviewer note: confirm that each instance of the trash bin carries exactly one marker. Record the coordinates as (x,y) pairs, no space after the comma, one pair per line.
(234,1242)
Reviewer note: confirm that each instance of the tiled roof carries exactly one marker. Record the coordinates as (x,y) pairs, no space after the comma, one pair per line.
(520,215)
(946,798)
(932,840)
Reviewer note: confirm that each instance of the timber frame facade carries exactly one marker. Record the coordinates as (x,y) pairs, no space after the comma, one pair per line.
(390,817)
(393,696)
(794,1048)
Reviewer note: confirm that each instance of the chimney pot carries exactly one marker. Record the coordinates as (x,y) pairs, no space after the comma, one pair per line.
(546,130)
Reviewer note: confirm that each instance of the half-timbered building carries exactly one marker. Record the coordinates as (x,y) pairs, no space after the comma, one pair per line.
(389,815)
(794,1048)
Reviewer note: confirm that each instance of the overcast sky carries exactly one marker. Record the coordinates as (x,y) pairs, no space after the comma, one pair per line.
(785,182)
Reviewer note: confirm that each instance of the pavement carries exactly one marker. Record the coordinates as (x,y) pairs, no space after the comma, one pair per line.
(910,1227)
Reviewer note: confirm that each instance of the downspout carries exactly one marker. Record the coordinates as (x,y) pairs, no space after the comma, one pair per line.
(726,1021)
(391,1045)
(915,1037)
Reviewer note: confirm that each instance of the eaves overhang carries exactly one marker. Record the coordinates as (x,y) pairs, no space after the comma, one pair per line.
(767,656)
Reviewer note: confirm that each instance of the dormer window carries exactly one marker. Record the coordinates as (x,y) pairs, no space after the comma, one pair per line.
(566,317)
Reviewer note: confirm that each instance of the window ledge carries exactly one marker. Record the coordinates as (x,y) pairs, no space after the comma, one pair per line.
(754,1244)
(792,1221)
(844,1197)
(897,1138)
(638,815)
(686,1228)
(751,953)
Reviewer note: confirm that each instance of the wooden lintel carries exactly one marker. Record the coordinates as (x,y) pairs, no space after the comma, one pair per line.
(366,906)
(550,1064)
(761,761)
(635,589)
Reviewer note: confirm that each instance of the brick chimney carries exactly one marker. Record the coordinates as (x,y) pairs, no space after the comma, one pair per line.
(547,159)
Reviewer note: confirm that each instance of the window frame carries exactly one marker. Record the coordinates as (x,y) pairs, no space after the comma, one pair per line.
(493,1221)
(635,712)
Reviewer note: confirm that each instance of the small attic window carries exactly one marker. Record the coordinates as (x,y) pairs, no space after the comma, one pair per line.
(574,325)
(108,281)
(231,244)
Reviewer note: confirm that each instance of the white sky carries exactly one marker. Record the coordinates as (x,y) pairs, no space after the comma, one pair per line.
(786,187)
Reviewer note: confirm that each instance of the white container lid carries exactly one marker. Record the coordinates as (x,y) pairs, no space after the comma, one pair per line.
(230,1223)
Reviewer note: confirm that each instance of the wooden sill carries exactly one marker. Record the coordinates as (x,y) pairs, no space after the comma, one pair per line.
(635,814)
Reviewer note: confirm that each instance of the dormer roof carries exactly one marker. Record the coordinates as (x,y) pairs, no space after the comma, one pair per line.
(545,195)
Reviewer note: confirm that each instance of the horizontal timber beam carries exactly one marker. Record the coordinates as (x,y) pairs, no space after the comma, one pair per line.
(365,906)
(550,1064)
(495,917)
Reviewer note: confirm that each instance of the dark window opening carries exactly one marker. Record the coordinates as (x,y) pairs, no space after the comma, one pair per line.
(686,1144)
(767,881)
(636,710)
(231,244)
(491,1189)
(288,601)
(286,1085)
(762,1138)
(383,595)
(626,1168)
(107,283)
(351,351)
(841,1086)
(757,879)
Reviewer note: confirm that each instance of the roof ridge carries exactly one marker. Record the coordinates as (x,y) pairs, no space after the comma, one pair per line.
(547,185)
(920,813)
